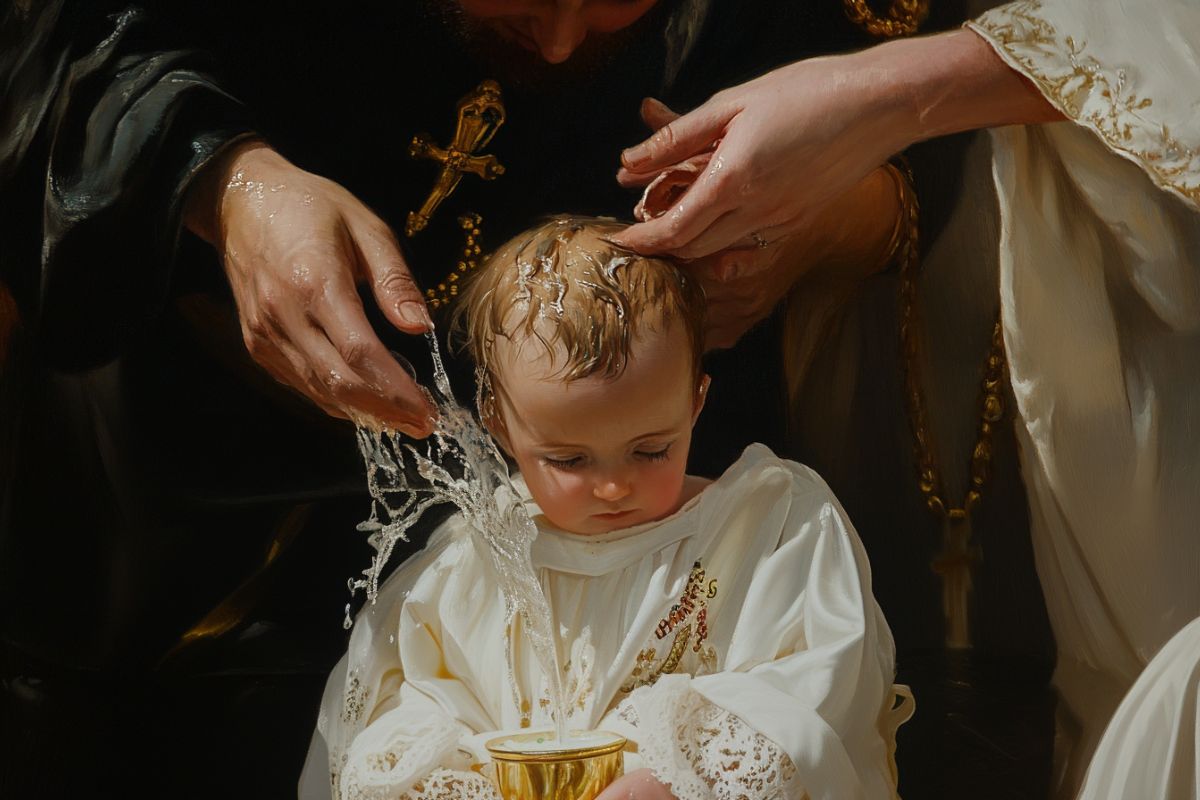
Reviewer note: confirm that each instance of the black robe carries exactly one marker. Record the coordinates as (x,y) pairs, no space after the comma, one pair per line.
(153,477)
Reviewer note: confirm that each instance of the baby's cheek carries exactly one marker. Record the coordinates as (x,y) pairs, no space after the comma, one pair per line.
(661,488)
(561,492)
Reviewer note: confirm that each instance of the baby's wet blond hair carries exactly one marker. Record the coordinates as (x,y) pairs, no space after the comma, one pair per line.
(565,285)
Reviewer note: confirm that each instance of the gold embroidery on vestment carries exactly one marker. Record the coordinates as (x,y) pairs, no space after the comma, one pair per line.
(1037,47)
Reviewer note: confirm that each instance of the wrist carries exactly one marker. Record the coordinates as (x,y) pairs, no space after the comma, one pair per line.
(862,227)
(951,82)
(202,208)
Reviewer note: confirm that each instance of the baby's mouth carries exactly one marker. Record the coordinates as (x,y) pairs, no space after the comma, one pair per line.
(610,515)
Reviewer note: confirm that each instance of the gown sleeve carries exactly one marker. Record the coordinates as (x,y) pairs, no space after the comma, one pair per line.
(1148,748)
(802,705)
(380,732)
(108,115)
(411,752)
(1131,81)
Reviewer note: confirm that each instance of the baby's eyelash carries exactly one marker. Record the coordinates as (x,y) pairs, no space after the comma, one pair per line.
(563,463)
(657,455)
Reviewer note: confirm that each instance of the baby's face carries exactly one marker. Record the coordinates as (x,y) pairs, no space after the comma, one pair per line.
(600,454)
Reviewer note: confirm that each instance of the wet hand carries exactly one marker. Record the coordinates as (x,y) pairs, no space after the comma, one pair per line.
(785,144)
(742,285)
(294,246)
(638,785)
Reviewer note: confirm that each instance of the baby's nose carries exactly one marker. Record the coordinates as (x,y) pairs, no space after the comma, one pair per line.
(610,491)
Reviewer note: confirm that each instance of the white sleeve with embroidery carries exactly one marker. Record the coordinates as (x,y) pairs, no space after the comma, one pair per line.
(1129,74)
(1100,297)
(802,704)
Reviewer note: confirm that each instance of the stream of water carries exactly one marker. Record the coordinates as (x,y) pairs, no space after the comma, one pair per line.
(459,464)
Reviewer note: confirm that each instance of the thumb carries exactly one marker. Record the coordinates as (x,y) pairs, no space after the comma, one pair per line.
(392,283)
(679,138)
(656,113)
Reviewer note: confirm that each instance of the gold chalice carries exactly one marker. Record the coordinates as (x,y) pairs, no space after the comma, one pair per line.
(535,766)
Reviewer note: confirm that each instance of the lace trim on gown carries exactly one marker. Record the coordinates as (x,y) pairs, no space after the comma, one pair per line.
(391,765)
(703,751)
(447,784)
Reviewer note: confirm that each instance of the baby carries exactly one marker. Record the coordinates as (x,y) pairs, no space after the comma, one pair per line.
(726,628)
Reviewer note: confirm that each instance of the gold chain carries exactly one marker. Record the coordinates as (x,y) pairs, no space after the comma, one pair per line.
(903,17)
(992,407)
(448,288)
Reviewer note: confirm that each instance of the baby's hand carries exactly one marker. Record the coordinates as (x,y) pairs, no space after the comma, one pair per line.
(638,785)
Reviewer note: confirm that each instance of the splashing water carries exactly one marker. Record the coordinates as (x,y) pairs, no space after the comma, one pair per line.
(460,464)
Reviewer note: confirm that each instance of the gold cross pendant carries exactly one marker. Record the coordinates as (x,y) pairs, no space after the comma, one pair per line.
(954,565)
(480,115)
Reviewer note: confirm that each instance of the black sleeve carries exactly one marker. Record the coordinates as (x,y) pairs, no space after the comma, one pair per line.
(105,119)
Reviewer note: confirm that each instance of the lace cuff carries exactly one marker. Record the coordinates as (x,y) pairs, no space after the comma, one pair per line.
(449,784)
(387,761)
(703,751)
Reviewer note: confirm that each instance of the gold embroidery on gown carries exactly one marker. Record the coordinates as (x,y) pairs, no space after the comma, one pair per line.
(687,617)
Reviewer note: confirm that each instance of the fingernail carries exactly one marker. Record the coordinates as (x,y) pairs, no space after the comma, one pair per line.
(410,426)
(414,313)
(632,156)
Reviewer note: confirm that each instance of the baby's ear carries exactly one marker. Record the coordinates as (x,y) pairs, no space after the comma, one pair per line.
(701,395)
(487,404)
(494,423)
